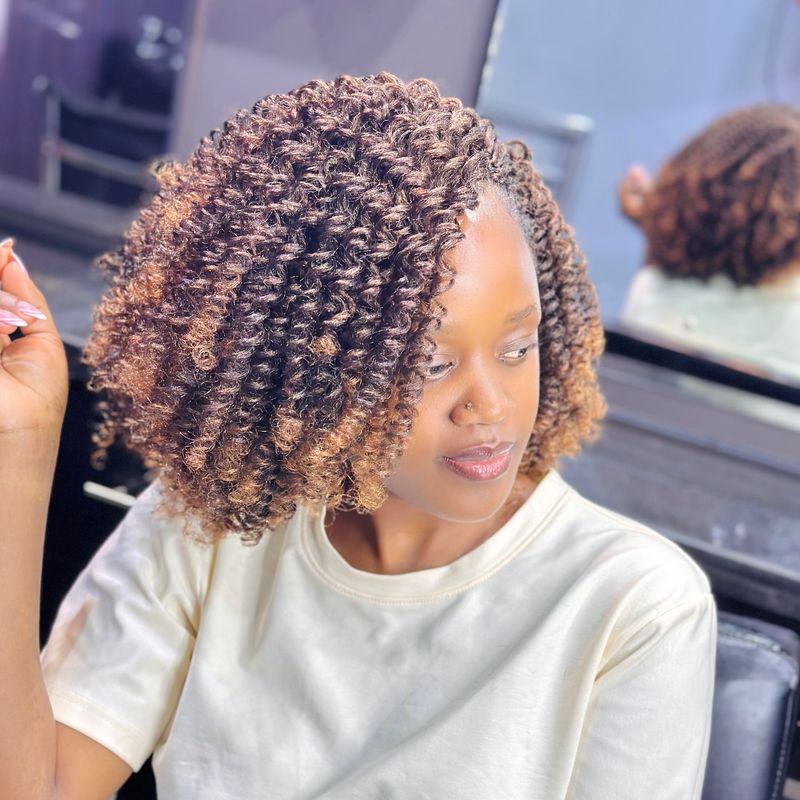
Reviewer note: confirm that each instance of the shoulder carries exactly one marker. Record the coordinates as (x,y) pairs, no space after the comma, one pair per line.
(150,524)
(172,543)
(638,571)
(645,293)
(647,281)
(157,547)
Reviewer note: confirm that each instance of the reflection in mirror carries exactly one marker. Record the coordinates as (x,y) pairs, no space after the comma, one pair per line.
(647,78)
(722,232)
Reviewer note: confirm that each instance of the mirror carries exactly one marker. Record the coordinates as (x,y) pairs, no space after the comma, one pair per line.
(595,88)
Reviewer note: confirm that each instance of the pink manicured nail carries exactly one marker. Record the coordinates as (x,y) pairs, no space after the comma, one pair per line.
(30,309)
(7,318)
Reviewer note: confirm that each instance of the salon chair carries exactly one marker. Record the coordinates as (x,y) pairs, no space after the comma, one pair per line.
(755,709)
(98,148)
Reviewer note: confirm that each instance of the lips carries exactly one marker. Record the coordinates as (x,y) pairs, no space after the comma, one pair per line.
(482,452)
(481,463)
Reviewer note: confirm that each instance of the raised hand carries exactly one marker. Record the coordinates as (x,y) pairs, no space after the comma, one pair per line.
(33,367)
(632,191)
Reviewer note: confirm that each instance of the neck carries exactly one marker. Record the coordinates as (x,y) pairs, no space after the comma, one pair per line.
(399,537)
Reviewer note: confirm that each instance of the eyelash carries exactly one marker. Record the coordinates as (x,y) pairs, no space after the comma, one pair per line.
(524,350)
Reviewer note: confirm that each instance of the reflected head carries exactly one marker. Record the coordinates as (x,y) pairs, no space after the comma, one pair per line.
(729,202)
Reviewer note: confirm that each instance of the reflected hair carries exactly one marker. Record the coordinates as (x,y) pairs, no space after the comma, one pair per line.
(265,336)
(729,202)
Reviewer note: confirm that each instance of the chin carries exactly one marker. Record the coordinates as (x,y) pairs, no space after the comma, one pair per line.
(475,501)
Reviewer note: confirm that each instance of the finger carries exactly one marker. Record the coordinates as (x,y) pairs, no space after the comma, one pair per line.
(632,192)
(6,330)
(20,308)
(18,283)
(6,252)
(10,315)
(637,177)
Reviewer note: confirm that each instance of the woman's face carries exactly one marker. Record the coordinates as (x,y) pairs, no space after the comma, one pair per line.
(479,405)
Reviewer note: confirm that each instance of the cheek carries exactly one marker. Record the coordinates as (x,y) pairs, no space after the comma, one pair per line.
(420,445)
(527,387)
(428,422)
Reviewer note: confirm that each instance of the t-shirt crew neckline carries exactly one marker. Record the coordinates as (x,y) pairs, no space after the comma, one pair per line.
(438,582)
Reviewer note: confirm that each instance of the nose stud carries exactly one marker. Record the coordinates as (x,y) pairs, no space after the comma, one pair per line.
(468,406)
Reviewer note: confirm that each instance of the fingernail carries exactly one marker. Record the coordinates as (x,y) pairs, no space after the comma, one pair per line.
(30,309)
(19,261)
(7,318)
(9,242)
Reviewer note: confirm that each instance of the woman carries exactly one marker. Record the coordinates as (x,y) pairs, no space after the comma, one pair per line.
(354,333)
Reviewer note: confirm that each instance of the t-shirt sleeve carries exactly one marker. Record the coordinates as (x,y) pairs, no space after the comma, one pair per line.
(646,731)
(116,659)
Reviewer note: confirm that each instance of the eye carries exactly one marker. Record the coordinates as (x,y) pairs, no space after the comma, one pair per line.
(516,355)
(519,353)
(439,370)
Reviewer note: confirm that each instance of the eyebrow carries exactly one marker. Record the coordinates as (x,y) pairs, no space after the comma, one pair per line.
(513,318)
(518,316)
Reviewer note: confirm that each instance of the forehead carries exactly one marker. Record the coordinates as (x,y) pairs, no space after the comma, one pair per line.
(495,273)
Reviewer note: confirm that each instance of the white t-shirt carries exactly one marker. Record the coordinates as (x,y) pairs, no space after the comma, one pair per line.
(755,326)
(571,655)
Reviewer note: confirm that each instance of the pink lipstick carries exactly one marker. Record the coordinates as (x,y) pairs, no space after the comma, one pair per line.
(483,463)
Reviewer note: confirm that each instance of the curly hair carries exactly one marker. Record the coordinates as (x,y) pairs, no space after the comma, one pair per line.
(729,202)
(265,335)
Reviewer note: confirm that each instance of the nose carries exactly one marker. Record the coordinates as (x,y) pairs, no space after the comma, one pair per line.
(483,401)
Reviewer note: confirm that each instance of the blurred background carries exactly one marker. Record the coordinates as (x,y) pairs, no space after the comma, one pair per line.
(703,446)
